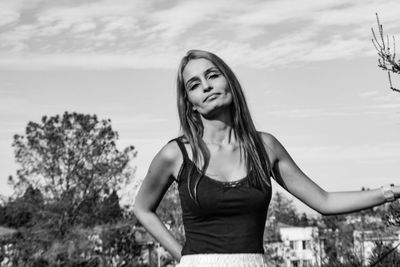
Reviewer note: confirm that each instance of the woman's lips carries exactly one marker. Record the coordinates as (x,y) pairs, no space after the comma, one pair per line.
(210,96)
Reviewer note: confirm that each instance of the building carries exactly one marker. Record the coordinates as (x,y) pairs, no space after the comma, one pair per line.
(364,241)
(6,245)
(302,246)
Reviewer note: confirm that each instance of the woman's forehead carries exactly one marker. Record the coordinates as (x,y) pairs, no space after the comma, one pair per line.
(196,67)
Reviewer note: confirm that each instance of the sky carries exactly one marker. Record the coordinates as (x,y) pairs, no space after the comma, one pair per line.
(308,69)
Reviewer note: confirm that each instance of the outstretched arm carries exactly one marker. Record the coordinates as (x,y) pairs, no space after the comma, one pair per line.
(151,192)
(291,177)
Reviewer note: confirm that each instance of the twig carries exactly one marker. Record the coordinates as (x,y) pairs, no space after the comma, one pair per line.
(384,255)
(391,86)
(387,59)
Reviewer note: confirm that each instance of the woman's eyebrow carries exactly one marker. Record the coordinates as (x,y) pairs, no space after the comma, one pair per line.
(190,80)
(211,70)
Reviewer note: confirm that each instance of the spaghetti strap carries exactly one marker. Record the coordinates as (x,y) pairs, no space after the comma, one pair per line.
(181,147)
(184,155)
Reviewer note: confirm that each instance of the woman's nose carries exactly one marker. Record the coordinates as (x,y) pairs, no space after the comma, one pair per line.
(206,85)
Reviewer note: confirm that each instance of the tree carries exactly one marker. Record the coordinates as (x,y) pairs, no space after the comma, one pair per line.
(283,209)
(111,210)
(170,212)
(387,57)
(388,62)
(393,214)
(19,212)
(384,255)
(73,160)
(69,173)
(303,221)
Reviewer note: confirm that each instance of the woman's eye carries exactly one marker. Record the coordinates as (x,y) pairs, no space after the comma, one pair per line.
(213,75)
(193,86)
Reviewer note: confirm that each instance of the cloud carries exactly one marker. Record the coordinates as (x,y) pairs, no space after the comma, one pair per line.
(337,48)
(258,34)
(140,119)
(8,16)
(86,61)
(120,24)
(370,93)
(308,113)
(9,100)
(361,153)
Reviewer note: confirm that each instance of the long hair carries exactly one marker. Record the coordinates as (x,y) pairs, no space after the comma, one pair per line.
(249,140)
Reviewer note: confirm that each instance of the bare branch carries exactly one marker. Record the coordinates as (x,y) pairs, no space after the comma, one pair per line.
(391,85)
(387,59)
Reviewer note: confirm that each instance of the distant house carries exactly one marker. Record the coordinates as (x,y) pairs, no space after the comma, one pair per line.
(302,246)
(366,219)
(6,247)
(6,233)
(364,241)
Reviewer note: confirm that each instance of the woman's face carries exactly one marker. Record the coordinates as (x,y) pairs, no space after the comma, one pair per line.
(207,89)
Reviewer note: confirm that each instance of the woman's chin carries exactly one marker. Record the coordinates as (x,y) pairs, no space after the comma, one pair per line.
(216,111)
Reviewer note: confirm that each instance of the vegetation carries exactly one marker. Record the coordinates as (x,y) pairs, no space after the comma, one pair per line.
(384,255)
(70,171)
(66,208)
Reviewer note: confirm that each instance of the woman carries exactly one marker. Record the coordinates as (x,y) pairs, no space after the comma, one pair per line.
(224,185)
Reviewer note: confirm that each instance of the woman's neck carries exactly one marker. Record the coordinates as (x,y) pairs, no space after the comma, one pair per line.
(218,131)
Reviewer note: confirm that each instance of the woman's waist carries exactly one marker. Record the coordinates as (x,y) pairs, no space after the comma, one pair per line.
(224,259)
(224,227)
(220,244)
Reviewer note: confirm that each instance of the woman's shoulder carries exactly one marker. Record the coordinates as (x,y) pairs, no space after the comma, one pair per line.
(270,144)
(268,139)
(170,152)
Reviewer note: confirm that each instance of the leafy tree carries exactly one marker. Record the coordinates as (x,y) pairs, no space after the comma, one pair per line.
(19,212)
(384,255)
(303,221)
(69,173)
(283,209)
(110,209)
(74,161)
(393,214)
(337,235)
(170,212)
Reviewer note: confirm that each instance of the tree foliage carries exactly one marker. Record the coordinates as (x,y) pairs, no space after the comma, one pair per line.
(284,211)
(74,161)
(384,255)
(20,212)
(170,212)
(69,173)
(392,216)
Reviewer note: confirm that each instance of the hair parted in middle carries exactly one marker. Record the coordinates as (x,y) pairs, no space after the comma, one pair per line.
(250,141)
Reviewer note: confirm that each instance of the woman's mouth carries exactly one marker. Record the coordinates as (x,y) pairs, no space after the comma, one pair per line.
(211,97)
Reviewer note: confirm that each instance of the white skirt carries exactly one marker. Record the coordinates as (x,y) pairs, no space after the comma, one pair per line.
(223,260)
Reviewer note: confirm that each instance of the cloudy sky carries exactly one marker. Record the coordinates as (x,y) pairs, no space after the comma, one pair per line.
(308,68)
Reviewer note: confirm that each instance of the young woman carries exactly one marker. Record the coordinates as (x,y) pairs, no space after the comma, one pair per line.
(223,166)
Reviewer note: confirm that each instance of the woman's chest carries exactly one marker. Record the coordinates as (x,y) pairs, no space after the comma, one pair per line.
(222,199)
(226,164)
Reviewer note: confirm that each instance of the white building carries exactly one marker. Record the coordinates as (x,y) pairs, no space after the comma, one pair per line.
(302,246)
(364,241)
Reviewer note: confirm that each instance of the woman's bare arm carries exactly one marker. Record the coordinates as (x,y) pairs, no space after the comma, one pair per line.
(155,184)
(291,177)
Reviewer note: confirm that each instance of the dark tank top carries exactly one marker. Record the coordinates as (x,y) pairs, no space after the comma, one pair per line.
(230,217)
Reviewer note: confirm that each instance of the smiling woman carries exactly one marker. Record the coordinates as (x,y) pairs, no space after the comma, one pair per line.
(223,166)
